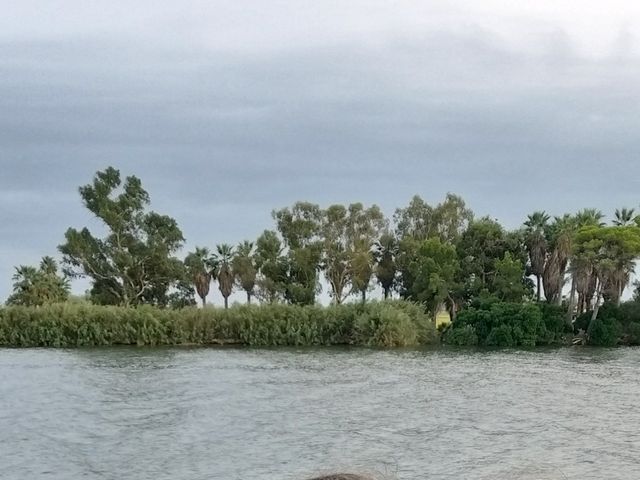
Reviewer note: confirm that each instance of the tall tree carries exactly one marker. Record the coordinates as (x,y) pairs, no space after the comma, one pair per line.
(364,226)
(300,228)
(39,286)
(134,262)
(536,243)
(559,236)
(336,251)
(386,268)
(609,250)
(201,266)
(272,267)
(420,221)
(415,220)
(583,280)
(244,268)
(435,269)
(224,272)
(509,284)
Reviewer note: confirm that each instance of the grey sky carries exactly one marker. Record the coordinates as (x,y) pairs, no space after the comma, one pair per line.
(229,109)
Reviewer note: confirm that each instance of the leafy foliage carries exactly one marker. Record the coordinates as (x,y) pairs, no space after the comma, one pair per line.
(39,286)
(134,263)
(503,324)
(385,324)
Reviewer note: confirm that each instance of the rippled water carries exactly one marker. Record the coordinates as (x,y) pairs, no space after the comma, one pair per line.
(245,414)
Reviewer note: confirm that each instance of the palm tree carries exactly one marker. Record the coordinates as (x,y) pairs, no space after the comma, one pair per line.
(386,251)
(200,269)
(244,268)
(48,266)
(560,236)
(224,272)
(536,244)
(583,274)
(624,217)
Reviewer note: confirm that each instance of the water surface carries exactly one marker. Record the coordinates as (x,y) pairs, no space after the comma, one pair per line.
(190,414)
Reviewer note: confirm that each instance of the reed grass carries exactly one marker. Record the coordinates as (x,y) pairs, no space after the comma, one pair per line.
(385,324)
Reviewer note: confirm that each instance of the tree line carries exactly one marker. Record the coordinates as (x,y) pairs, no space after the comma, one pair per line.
(441,256)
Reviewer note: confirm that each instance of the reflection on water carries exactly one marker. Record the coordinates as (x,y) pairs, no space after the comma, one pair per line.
(285,414)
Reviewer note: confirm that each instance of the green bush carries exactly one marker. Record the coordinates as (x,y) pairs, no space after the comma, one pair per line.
(504,324)
(614,325)
(389,324)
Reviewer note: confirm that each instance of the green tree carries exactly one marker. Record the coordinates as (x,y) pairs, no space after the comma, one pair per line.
(624,217)
(134,262)
(415,220)
(224,272)
(272,267)
(446,221)
(336,251)
(583,280)
(386,268)
(39,286)
(610,251)
(364,227)
(509,284)
(244,268)
(536,242)
(559,237)
(300,228)
(434,269)
(200,267)
(481,246)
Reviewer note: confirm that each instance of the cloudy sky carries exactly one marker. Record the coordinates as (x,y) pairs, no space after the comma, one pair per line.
(229,109)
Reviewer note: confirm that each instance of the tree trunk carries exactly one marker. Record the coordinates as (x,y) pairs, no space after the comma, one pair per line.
(539,293)
(364,297)
(596,308)
(572,298)
(226,303)
(248,298)
(204,302)
(386,293)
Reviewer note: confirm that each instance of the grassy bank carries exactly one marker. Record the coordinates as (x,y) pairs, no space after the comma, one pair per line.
(389,324)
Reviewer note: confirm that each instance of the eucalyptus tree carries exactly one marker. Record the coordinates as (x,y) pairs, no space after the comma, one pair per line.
(434,270)
(452,217)
(446,220)
(224,272)
(244,268)
(134,263)
(416,220)
(272,267)
(364,227)
(200,268)
(536,243)
(300,228)
(336,252)
(386,268)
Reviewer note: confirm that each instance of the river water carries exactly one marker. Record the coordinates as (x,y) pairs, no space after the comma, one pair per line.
(190,414)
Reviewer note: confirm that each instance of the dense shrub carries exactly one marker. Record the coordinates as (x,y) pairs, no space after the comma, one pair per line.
(614,325)
(393,323)
(503,324)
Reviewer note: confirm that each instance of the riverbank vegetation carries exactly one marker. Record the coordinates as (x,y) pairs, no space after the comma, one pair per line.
(546,282)
(386,324)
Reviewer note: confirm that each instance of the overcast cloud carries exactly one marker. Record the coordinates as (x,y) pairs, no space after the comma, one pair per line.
(229,109)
